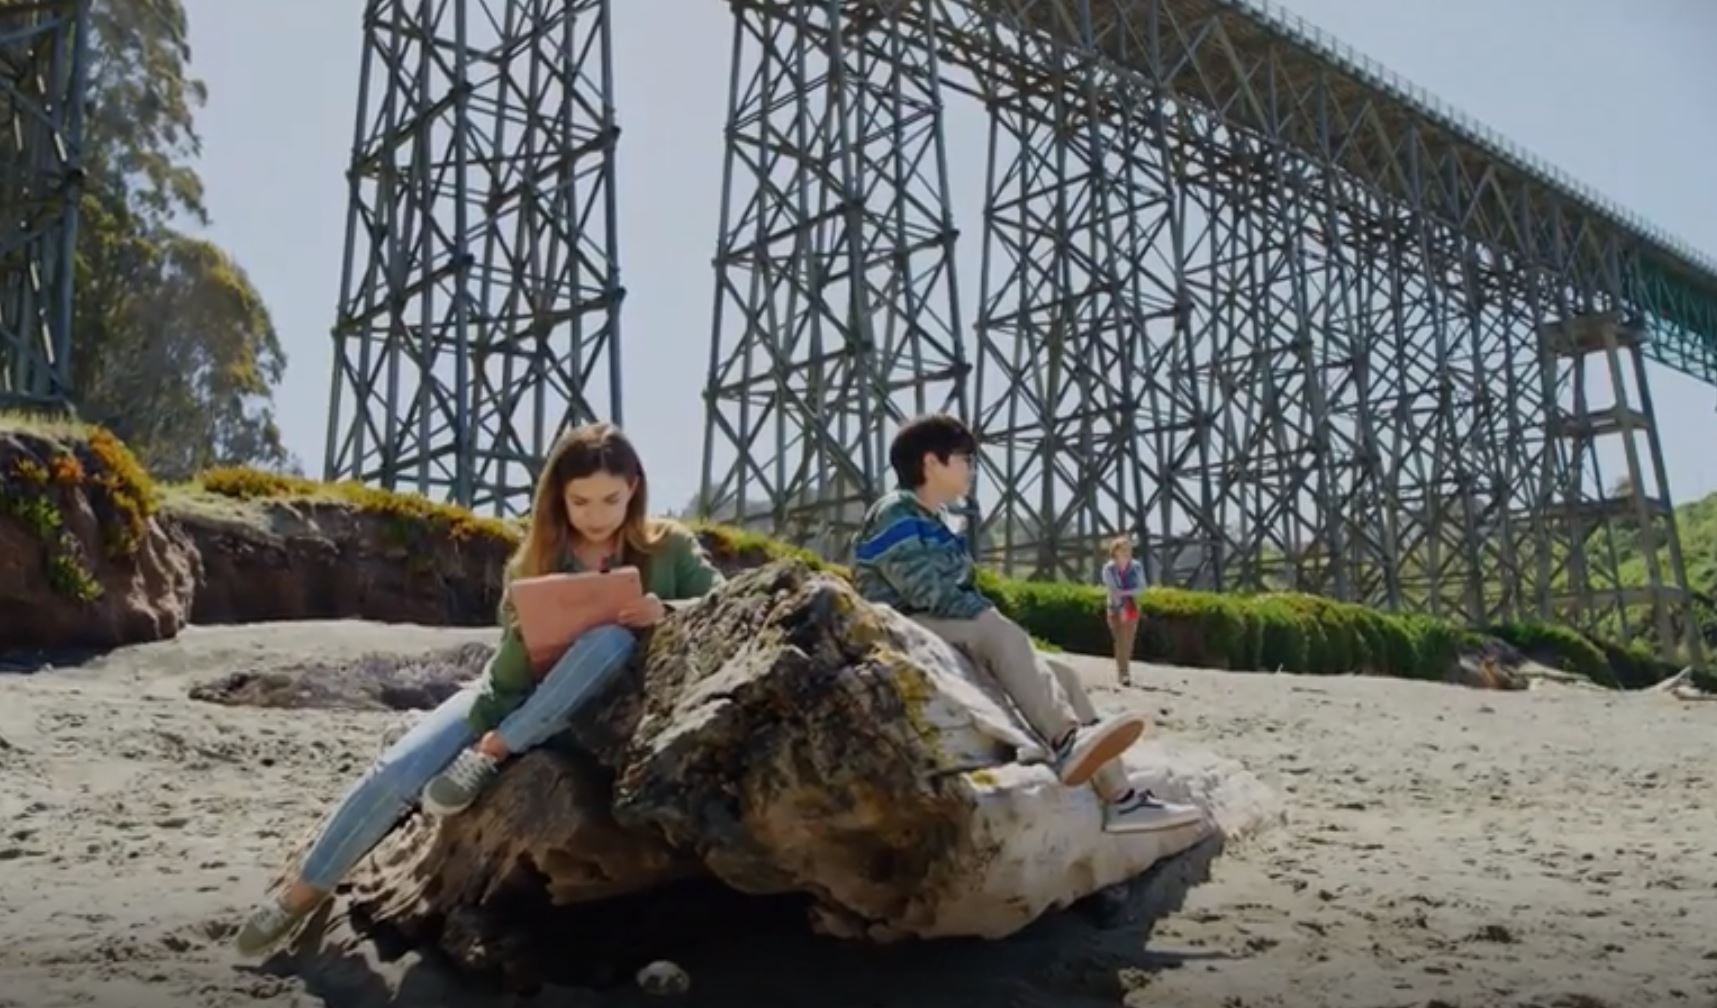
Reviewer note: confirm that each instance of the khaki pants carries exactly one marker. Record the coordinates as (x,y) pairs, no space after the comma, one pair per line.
(1123,630)
(1051,701)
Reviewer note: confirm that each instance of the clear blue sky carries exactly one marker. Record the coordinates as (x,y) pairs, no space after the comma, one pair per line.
(1618,94)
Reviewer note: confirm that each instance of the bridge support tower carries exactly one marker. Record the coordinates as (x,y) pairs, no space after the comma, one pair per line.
(42,77)
(479,309)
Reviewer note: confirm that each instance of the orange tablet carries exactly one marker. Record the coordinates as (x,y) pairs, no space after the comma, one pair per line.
(554,609)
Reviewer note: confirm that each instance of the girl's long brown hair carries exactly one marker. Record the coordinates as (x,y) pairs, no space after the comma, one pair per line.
(580,452)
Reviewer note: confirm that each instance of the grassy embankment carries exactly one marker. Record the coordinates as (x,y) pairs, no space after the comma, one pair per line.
(1275,630)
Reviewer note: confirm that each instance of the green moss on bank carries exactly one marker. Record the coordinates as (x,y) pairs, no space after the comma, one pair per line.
(729,544)
(412,520)
(1285,631)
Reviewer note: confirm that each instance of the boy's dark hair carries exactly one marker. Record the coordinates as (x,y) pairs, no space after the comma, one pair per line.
(940,434)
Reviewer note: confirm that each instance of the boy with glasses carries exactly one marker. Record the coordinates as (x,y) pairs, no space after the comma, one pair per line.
(906,557)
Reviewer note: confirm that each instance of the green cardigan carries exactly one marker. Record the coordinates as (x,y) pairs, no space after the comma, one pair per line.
(678,570)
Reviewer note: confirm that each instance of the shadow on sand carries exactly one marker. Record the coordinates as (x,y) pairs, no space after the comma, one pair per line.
(755,951)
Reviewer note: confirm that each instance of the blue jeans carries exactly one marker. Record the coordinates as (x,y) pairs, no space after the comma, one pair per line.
(390,787)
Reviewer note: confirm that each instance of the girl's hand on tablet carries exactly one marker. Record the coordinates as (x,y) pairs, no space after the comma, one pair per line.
(647,611)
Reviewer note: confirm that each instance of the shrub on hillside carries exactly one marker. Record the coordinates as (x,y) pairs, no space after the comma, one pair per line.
(1631,666)
(731,547)
(1291,631)
(1634,666)
(1191,628)
(1557,646)
(1287,630)
(1433,645)
(1280,636)
(245,483)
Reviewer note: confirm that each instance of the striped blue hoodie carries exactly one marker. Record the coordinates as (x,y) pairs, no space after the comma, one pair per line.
(905,556)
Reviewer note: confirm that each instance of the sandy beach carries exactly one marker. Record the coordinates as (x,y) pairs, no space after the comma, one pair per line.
(1444,846)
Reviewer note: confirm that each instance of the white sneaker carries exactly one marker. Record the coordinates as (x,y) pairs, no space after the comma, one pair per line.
(265,928)
(1146,813)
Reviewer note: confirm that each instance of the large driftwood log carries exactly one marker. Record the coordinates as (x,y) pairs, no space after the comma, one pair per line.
(785,738)
(475,886)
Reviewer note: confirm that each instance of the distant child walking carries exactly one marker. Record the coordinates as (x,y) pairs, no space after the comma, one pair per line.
(907,557)
(1124,579)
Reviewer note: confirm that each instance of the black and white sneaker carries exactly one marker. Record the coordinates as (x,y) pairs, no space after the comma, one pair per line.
(1143,812)
(1083,752)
